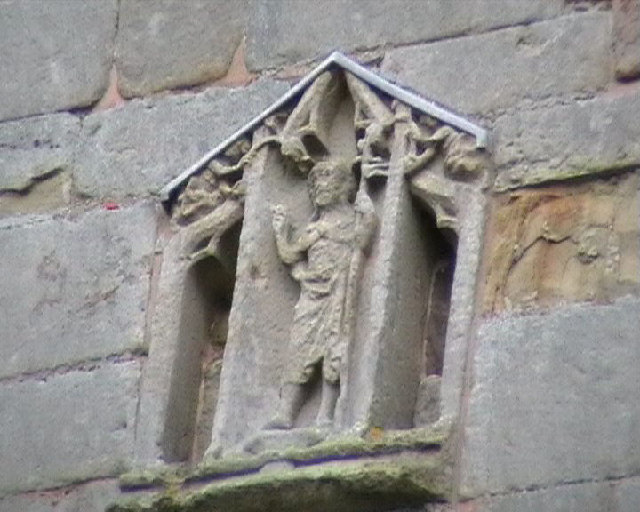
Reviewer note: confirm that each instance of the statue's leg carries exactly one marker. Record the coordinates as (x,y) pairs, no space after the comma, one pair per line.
(290,401)
(330,391)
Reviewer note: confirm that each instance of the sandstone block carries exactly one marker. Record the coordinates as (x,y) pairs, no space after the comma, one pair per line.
(287,31)
(55,55)
(586,137)
(489,72)
(65,428)
(30,148)
(165,44)
(36,156)
(563,244)
(626,38)
(554,399)
(90,497)
(137,149)
(73,288)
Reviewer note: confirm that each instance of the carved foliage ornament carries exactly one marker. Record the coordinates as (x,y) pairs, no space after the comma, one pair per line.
(302,135)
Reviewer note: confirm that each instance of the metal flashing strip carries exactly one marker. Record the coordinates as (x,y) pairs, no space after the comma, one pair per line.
(380,83)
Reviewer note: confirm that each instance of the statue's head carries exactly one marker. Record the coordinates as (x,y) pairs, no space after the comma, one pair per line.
(331,182)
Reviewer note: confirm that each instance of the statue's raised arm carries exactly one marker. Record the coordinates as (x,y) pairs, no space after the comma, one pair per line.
(366,220)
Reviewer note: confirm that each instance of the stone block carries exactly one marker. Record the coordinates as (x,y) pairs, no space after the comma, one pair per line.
(91,497)
(626,38)
(66,428)
(33,147)
(554,399)
(588,497)
(563,141)
(628,495)
(489,72)
(165,44)
(55,55)
(137,149)
(287,31)
(74,288)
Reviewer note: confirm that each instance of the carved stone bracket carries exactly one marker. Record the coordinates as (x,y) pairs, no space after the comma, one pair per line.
(318,247)
(334,221)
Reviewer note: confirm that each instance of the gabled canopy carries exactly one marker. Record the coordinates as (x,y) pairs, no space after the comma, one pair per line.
(336,59)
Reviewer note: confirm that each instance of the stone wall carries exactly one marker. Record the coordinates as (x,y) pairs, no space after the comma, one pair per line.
(104,101)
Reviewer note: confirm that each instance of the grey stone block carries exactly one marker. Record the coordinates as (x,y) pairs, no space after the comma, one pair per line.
(90,497)
(590,497)
(32,147)
(628,495)
(55,55)
(66,428)
(584,137)
(626,38)
(137,149)
(287,31)
(554,399)
(167,44)
(489,72)
(73,288)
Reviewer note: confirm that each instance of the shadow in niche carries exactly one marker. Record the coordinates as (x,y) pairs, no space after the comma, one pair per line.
(441,246)
(195,378)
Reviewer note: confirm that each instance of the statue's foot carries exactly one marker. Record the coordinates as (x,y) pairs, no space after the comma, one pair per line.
(213,452)
(279,423)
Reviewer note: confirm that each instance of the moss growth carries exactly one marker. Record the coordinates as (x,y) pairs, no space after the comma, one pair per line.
(419,440)
(389,442)
(364,486)
(413,467)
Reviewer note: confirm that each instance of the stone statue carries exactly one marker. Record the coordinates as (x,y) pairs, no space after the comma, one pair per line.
(325,260)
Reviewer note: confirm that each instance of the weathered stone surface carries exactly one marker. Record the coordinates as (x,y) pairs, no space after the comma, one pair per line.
(35,146)
(73,288)
(166,44)
(554,399)
(489,72)
(283,32)
(628,495)
(69,427)
(563,244)
(54,55)
(36,156)
(615,495)
(626,38)
(90,497)
(137,149)
(564,141)
(463,300)
(343,486)
(590,497)
(49,190)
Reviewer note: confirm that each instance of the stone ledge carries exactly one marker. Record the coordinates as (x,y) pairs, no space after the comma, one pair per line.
(400,468)
(318,488)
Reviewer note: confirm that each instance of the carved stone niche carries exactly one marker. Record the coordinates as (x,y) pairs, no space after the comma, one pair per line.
(326,249)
